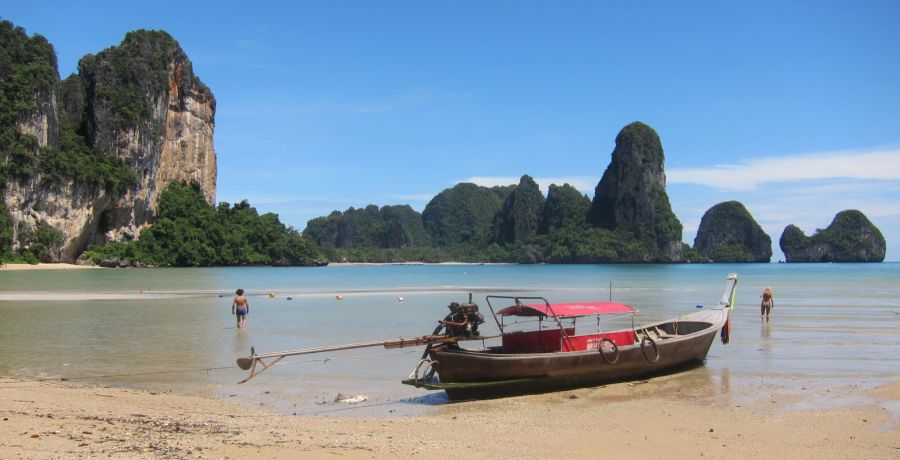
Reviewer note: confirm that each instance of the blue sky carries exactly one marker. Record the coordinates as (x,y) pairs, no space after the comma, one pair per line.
(792,108)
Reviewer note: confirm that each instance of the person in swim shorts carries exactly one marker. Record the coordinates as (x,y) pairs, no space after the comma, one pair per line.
(768,301)
(240,307)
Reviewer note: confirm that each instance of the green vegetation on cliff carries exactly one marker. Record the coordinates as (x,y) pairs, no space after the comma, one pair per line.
(28,81)
(470,223)
(75,160)
(463,214)
(565,207)
(125,76)
(189,232)
(850,237)
(27,72)
(631,195)
(630,219)
(728,233)
(388,227)
(518,219)
(6,233)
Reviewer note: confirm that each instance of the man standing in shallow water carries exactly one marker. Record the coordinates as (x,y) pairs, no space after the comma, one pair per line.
(240,307)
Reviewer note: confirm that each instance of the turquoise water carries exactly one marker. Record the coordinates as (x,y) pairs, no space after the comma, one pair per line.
(171,329)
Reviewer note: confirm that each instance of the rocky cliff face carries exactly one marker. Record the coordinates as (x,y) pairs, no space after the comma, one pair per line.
(728,233)
(850,237)
(160,123)
(139,102)
(42,122)
(632,194)
(517,221)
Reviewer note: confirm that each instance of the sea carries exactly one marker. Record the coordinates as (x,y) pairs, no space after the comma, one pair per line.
(171,329)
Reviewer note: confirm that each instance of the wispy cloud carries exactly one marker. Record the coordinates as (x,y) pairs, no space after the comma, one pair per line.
(583,184)
(879,164)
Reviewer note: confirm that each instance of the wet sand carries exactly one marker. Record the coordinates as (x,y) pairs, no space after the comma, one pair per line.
(665,417)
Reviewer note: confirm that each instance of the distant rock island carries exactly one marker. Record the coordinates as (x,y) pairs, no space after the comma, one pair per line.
(728,233)
(632,196)
(630,219)
(851,237)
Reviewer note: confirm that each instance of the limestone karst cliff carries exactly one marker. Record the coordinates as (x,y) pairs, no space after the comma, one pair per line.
(850,237)
(631,220)
(517,221)
(631,195)
(728,233)
(137,105)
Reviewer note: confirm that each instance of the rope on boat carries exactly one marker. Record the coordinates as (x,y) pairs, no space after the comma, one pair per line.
(427,372)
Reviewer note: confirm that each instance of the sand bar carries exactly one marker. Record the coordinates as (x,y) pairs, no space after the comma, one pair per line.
(43,266)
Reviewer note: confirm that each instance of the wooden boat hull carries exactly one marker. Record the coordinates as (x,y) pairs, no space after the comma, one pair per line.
(681,343)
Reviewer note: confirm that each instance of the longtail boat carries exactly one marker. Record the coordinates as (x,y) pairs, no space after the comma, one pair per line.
(567,346)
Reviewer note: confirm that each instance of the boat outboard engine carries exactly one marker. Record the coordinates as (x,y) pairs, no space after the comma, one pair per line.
(463,320)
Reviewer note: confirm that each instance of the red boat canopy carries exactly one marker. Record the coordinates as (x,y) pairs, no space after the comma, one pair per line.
(567,310)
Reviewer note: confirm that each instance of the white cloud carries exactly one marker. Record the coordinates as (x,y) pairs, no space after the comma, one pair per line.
(880,164)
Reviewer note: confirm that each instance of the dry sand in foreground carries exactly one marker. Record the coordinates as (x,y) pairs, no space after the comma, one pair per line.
(650,420)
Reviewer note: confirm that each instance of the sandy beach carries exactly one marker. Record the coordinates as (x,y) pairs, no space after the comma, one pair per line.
(43,266)
(659,418)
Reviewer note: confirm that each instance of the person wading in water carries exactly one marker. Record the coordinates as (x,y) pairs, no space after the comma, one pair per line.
(240,306)
(768,301)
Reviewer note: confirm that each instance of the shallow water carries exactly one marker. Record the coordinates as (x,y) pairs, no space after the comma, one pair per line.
(171,329)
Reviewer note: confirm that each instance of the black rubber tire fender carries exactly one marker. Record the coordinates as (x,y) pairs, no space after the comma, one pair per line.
(653,345)
(615,349)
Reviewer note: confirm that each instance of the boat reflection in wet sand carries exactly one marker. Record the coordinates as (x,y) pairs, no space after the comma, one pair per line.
(545,346)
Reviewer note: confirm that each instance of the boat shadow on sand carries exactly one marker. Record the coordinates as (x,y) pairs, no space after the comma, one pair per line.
(687,381)
(527,387)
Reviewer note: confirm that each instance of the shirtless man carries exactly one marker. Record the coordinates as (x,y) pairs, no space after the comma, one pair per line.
(240,307)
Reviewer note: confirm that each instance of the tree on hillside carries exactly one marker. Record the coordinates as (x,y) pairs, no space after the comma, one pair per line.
(565,207)
(369,227)
(190,232)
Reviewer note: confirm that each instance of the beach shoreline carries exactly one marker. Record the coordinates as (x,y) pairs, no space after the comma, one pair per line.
(645,418)
(47,266)
(67,266)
